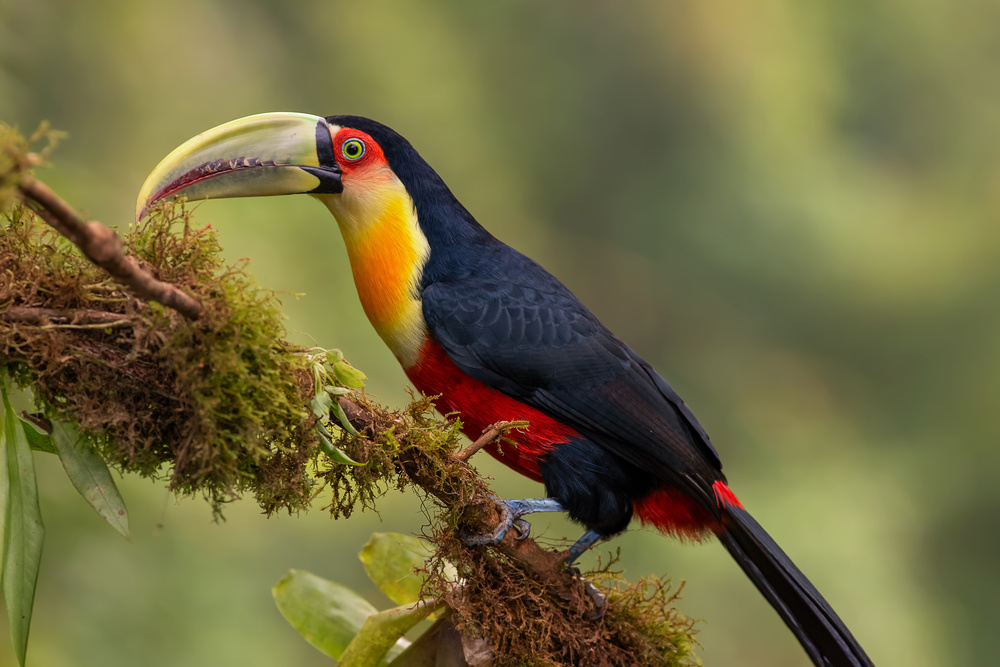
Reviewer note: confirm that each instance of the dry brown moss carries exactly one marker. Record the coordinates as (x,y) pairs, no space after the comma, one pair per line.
(527,622)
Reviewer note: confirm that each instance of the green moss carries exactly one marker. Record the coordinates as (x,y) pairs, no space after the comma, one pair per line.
(220,401)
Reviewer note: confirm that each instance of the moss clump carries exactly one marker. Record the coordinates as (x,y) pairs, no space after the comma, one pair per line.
(221,400)
(528,622)
(397,447)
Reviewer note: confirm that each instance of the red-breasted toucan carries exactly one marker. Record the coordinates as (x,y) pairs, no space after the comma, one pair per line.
(499,338)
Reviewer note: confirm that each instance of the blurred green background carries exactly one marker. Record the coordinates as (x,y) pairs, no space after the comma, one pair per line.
(790,209)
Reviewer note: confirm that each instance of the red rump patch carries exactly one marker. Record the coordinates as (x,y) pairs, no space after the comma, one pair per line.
(724,497)
(480,407)
(674,513)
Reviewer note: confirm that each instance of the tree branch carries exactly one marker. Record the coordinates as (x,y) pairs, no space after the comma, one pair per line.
(547,566)
(67,319)
(101,245)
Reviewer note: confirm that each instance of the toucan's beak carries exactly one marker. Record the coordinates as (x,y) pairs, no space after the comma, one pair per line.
(266,154)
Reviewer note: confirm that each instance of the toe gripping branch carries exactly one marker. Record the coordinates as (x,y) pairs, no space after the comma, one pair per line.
(511,513)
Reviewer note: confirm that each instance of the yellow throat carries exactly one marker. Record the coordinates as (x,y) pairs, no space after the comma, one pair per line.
(387,251)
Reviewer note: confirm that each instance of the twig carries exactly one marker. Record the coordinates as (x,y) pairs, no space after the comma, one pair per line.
(70,319)
(102,246)
(489,436)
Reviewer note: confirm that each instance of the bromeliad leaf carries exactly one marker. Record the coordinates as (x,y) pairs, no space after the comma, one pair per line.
(327,614)
(90,475)
(24,533)
(381,636)
(390,560)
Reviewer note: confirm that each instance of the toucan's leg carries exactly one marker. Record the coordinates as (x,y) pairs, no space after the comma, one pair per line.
(585,542)
(512,511)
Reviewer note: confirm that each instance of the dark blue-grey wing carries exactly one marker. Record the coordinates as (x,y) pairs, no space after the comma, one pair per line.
(547,350)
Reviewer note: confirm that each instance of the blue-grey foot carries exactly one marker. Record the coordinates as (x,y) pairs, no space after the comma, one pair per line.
(511,513)
(600,601)
(586,541)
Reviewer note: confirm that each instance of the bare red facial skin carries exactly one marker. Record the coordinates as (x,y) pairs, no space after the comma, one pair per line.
(373,155)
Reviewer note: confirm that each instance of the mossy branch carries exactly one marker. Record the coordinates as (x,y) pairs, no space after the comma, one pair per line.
(102,246)
(223,406)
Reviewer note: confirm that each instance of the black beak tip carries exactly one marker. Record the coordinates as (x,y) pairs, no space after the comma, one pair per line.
(329,180)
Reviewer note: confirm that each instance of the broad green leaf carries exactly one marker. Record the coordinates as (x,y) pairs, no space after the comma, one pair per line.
(381,633)
(327,614)
(331,450)
(348,375)
(90,475)
(389,560)
(440,646)
(24,532)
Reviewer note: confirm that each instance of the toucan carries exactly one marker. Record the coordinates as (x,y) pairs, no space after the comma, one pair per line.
(496,338)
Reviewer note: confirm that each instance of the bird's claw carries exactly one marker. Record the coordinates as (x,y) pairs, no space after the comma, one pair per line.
(506,521)
(523,529)
(511,512)
(600,600)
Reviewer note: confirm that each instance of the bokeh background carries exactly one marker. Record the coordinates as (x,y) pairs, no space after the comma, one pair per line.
(791,209)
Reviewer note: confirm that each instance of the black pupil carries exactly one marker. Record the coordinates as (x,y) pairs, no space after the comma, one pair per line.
(353,149)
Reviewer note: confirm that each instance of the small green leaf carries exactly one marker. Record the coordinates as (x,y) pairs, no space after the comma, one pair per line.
(327,614)
(24,533)
(380,636)
(331,450)
(390,560)
(334,356)
(341,416)
(90,476)
(348,375)
(321,404)
(36,440)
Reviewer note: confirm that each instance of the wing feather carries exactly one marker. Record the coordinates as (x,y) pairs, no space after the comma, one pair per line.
(544,348)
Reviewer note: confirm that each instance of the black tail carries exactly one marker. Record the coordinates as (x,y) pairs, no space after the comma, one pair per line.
(821,632)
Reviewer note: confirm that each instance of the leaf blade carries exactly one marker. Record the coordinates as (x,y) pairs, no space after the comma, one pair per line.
(90,475)
(379,637)
(390,560)
(25,533)
(325,613)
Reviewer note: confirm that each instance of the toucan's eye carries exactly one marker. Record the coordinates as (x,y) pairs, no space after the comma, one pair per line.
(353,149)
